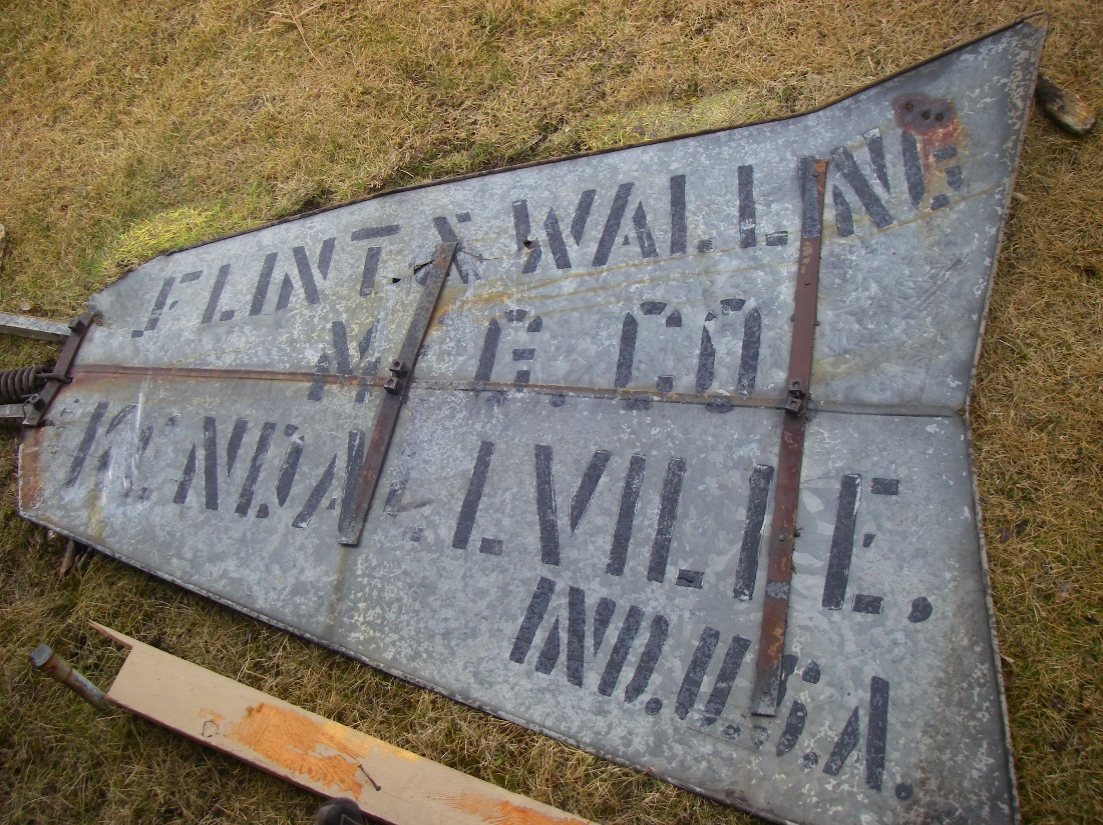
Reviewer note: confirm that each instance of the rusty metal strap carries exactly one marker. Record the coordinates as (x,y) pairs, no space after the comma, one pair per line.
(775,608)
(352,520)
(39,404)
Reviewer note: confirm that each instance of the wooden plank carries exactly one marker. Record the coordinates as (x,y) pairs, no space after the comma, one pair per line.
(311,751)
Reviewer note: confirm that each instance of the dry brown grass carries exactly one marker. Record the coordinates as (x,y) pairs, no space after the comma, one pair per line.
(128,128)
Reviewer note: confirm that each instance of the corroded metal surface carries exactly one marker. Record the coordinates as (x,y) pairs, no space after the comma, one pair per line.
(568,527)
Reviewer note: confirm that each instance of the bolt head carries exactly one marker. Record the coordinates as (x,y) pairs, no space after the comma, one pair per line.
(40,656)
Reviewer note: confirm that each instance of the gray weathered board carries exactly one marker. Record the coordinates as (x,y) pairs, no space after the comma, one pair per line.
(568,526)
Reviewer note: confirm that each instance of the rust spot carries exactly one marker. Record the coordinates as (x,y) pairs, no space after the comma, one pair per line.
(923,116)
(30,472)
(936,137)
(317,749)
(504,812)
(212,724)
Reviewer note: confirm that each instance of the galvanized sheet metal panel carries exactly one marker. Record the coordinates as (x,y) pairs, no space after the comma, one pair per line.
(568,529)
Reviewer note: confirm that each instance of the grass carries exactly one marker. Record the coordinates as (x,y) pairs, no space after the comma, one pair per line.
(127,129)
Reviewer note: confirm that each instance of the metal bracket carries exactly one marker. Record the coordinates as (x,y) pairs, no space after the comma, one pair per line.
(352,520)
(796,402)
(39,403)
(396,384)
(775,608)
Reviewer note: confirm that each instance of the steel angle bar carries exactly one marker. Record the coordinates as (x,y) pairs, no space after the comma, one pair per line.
(25,326)
(351,524)
(783,530)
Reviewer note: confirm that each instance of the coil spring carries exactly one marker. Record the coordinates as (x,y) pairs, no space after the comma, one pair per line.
(17,384)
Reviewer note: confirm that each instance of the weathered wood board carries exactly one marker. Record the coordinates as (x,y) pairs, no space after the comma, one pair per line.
(309,750)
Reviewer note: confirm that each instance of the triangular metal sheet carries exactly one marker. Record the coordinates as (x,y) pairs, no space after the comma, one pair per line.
(569,529)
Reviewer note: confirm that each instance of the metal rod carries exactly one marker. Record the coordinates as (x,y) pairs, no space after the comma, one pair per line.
(86,372)
(69,560)
(775,608)
(44,660)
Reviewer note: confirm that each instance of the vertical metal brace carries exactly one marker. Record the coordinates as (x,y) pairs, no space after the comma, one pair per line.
(39,404)
(352,524)
(771,643)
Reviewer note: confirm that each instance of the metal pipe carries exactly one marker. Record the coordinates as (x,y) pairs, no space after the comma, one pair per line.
(44,660)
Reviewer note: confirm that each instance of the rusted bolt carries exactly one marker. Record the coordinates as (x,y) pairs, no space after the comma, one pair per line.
(37,401)
(44,660)
(392,385)
(926,114)
(939,117)
(908,107)
(398,367)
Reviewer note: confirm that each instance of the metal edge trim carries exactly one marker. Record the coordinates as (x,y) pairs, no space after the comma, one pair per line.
(982,545)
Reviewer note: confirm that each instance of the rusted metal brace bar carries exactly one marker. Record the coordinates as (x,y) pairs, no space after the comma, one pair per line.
(352,522)
(39,403)
(771,643)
